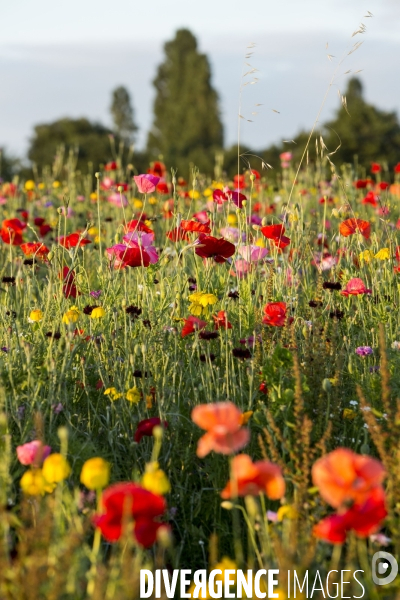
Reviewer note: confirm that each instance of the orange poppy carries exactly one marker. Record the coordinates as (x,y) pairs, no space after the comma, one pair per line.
(343,477)
(351,226)
(252,478)
(223,423)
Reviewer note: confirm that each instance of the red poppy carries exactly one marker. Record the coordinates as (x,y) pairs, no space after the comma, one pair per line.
(11,231)
(145,427)
(361,184)
(35,249)
(44,229)
(157,168)
(383,185)
(129,499)
(252,478)
(191,325)
(38,221)
(397,168)
(133,257)
(124,186)
(69,287)
(72,240)
(239,182)
(256,174)
(217,248)
(110,166)
(275,314)
(370,198)
(137,225)
(162,188)
(196,226)
(376,168)
(221,320)
(219,196)
(276,234)
(177,235)
(362,518)
(351,226)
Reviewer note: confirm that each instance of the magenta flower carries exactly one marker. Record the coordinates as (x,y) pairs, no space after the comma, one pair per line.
(146,184)
(253,253)
(139,239)
(32,452)
(364,350)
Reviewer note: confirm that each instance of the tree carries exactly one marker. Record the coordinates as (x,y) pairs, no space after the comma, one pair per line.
(123,114)
(365,131)
(9,165)
(90,139)
(187,126)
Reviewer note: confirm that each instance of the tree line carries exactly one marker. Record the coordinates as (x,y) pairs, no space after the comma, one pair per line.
(187,130)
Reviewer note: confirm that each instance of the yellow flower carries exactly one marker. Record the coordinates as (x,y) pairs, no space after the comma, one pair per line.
(232,219)
(41,186)
(260,242)
(153,200)
(29,185)
(200,301)
(133,395)
(194,194)
(349,413)
(207,192)
(93,196)
(97,313)
(383,254)
(71,316)
(113,393)
(93,231)
(155,480)
(137,203)
(95,473)
(32,482)
(55,468)
(367,256)
(287,512)
(36,316)
(218,185)
(56,184)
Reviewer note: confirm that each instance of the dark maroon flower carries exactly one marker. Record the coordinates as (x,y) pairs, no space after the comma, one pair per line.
(145,427)
(241,353)
(217,248)
(332,285)
(208,335)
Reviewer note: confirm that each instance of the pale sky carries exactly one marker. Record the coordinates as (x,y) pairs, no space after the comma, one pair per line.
(63,58)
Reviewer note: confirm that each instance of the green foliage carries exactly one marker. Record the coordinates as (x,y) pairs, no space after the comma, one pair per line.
(9,165)
(187,126)
(88,141)
(123,114)
(363,130)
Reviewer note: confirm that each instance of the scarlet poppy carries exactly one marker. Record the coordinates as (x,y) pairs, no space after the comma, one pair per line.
(110,166)
(376,168)
(138,225)
(162,188)
(158,168)
(361,184)
(195,226)
(191,325)
(127,499)
(69,288)
(35,249)
(177,235)
(383,185)
(370,198)
(125,256)
(217,248)
(223,424)
(362,518)
(72,240)
(221,320)
(397,168)
(11,231)
(276,234)
(145,427)
(239,181)
(275,314)
(252,478)
(351,226)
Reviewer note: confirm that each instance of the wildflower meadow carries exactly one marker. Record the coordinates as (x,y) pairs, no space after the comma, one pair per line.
(199,374)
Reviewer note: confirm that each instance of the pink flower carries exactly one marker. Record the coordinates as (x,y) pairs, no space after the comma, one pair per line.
(232,234)
(146,184)
(140,239)
(117,200)
(252,253)
(32,452)
(107,183)
(242,267)
(355,287)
